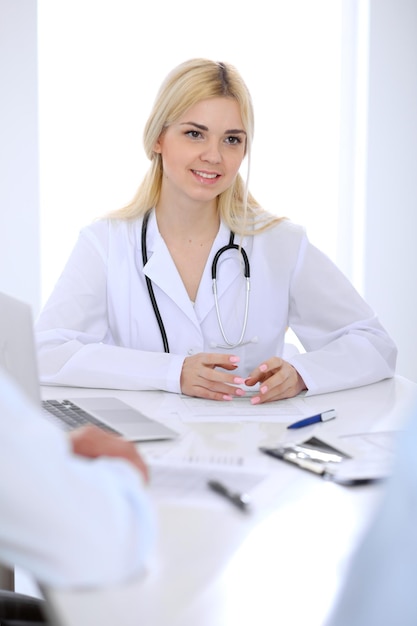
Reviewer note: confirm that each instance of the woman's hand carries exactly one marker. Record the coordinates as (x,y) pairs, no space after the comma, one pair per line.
(92,442)
(200,379)
(278,380)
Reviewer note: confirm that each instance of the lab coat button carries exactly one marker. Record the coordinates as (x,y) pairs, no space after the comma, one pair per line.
(190,351)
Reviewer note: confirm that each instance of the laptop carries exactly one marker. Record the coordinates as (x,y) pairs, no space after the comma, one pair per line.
(18,357)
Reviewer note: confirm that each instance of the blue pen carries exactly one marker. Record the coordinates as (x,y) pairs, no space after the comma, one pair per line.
(314,419)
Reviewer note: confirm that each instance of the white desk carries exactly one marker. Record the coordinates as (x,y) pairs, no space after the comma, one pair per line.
(284,562)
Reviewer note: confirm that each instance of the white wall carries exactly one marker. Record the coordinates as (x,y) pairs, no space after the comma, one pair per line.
(19,180)
(390,268)
(95,97)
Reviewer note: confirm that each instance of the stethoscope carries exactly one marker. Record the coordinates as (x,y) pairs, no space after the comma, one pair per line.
(230,246)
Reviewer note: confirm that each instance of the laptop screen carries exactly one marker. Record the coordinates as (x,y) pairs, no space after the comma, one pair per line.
(17,347)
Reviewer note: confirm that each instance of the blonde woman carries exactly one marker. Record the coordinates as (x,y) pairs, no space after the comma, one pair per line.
(191,287)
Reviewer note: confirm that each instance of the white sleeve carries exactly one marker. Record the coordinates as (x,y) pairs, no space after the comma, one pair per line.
(346,345)
(74,341)
(381,581)
(66,519)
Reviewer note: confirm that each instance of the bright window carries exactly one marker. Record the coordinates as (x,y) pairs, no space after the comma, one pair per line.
(101,62)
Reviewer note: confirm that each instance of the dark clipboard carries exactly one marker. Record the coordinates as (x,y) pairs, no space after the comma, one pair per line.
(328,462)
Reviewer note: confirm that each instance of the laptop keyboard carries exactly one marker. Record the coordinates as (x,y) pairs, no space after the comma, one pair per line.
(69,416)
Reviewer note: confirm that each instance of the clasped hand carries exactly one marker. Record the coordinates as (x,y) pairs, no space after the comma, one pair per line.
(202,376)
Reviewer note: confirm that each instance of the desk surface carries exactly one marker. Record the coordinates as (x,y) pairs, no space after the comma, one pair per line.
(284,561)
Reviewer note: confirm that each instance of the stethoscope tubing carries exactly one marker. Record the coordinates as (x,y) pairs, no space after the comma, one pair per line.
(230,246)
(149,284)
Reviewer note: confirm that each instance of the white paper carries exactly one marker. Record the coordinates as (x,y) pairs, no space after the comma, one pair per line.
(226,446)
(237,410)
(184,481)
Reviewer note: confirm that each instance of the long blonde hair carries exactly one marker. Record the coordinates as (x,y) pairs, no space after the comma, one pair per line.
(189,83)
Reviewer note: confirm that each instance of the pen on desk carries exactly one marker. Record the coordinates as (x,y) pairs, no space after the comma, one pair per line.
(314,419)
(241,500)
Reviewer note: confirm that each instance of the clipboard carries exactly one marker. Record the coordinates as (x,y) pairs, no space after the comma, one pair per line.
(330,463)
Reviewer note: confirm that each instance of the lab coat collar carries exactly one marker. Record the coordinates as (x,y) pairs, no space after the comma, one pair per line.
(161,270)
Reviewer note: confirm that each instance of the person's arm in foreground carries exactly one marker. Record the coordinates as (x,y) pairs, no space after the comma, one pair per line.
(381,581)
(67,519)
(92,442)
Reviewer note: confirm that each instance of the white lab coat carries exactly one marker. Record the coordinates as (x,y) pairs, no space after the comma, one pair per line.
(380,587)
(98,328)
(68,520)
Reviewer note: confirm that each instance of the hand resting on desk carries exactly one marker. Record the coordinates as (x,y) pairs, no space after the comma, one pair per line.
(93,442)
(278,380)
(202,378)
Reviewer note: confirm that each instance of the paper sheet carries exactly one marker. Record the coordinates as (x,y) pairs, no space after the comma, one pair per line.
(372,443)
(224,445)
(237,410)
(185,481)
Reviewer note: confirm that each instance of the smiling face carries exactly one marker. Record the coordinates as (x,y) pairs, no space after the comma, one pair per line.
(202,152)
